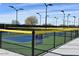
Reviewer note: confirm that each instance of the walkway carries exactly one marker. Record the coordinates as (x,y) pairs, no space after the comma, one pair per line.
(69,49)
(4,52)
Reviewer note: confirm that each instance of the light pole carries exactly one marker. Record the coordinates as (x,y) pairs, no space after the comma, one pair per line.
(74,19)
(63,18)
(16,12)
(40,17)
(46,5)
(56,20)
(68,19)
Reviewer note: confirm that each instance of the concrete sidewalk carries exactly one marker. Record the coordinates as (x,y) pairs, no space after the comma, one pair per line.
(51,54)
(70,49)
(4,52)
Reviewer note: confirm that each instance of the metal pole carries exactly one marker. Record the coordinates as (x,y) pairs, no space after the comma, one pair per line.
(54,40)
(56,22)
(16,11)
(71,35)
(78,22)
(64,37)
(74,19)
(68,19)
(0,39)
(78,26)
(77,33)
(2,27)
(16,16)
(33,37)
(46,15)
(64,20)
(46,5)
(40,19)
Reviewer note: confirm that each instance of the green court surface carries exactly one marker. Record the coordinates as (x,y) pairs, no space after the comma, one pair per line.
(26,48)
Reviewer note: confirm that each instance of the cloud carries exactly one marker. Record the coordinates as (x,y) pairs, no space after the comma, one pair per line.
(22,15)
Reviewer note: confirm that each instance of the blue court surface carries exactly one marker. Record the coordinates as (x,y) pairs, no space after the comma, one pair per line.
(24,37)
(20,38)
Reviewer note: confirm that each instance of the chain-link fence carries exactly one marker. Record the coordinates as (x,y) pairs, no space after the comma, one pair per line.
(34,43)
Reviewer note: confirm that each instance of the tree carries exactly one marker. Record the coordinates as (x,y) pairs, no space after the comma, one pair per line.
(15,22)
(31,20)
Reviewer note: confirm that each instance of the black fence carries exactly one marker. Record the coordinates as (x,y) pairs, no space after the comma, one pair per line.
(33,44)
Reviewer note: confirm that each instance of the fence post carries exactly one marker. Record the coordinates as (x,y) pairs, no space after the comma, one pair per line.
(33,37)
(64,37)
(77,33)
(71,35)
(54,40)
(2,27)
(0,39)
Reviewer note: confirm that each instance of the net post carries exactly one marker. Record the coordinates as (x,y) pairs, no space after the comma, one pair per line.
(54,40)
(33,37)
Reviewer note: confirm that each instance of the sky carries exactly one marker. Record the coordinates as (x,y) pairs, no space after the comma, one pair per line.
(7,14)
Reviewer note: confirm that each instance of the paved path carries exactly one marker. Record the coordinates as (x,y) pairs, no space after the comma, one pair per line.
(4,52)
(70,49)
(51,54)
